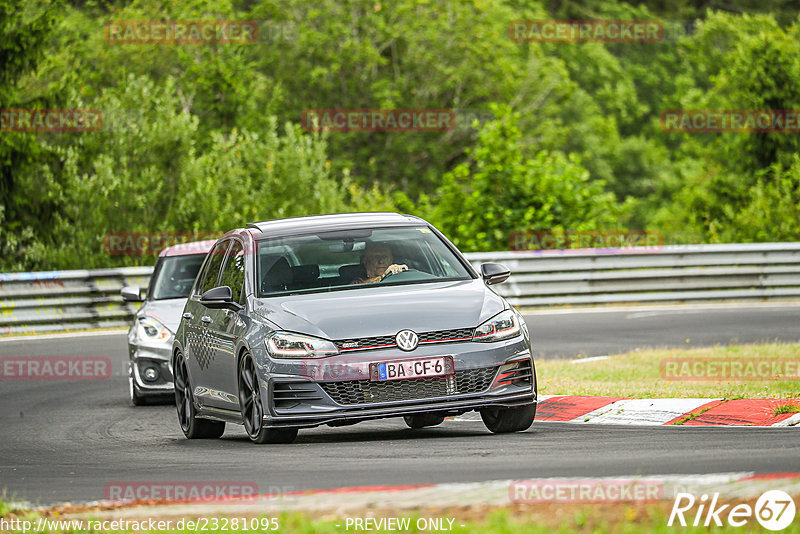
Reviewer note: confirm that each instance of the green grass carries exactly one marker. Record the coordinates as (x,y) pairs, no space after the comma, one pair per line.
(638,375)
(787,408)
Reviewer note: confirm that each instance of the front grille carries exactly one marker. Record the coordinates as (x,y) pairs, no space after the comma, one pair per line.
(354,392)
(446,335)
(365,343)
(380,342)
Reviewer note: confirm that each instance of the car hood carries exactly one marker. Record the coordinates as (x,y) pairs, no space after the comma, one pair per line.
(167,311)
(380,311)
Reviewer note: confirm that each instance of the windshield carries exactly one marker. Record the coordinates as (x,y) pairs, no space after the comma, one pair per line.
(174,276)
(351,259)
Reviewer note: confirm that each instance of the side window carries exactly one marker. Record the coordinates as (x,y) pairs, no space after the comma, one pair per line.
(233,274)
(213,266)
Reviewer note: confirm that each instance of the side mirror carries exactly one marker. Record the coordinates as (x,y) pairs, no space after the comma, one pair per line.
(494,273)
(131,294)
(219,298)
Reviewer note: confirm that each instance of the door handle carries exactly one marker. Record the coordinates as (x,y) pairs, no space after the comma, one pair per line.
(206,319)
(188,316)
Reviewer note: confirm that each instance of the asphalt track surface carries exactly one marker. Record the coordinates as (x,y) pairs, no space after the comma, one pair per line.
(66,440)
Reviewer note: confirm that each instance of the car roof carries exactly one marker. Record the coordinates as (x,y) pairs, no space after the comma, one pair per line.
(187,249)
(336,221)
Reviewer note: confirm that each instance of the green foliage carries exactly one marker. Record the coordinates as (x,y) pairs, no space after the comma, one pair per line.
(503,189)
(771,211)
(143,173)
(736,186)
(24,30)
(205,137)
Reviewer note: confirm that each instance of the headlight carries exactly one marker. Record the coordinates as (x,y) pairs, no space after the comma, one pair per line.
(151,330)
(289,345)
(504,325)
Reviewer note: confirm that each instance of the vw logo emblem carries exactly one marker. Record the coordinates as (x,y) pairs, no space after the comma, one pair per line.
(406,340)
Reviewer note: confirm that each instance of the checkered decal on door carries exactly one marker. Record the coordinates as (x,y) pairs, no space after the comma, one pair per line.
(200,348)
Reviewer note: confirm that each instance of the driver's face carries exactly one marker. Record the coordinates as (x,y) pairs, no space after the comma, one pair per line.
(377,260)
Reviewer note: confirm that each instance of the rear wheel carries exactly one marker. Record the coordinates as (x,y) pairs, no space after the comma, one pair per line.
(252,408)
(193,427)
(421,420)
(503,420)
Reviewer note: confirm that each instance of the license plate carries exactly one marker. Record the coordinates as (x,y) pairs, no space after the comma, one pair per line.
(420,368)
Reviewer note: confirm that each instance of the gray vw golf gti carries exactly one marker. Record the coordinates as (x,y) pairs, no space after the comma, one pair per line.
(336,319)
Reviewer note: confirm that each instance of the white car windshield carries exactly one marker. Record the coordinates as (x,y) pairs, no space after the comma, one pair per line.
(174,276)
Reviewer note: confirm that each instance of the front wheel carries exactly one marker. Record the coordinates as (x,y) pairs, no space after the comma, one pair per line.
(193,427)
(252,409)
(504,420)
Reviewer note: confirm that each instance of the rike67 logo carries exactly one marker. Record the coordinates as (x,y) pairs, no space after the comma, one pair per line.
(774,510)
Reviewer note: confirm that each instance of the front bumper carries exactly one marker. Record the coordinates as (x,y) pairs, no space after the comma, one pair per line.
(502,379)
(446,406)
(340,390)
(143,357)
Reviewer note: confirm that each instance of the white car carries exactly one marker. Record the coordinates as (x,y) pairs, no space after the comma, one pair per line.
(154,326)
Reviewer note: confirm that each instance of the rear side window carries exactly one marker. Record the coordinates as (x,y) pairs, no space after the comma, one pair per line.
(213,266)
(233,274)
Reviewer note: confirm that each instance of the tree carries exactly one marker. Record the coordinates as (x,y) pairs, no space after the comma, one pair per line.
(503,190)
(23,34)
(144,173)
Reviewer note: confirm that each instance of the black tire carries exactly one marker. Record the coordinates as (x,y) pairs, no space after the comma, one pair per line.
(421,420)
(504,420)
(133,393)
(193,427)
(252,408)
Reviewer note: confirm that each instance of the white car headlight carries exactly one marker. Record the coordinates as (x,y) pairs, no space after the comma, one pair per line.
(289,345)
(149,329)
(504,325)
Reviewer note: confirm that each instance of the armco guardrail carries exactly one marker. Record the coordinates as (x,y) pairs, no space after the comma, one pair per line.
(72,300)
(680,273)
(67,300)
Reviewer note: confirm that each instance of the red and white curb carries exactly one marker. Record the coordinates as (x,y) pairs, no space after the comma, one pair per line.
(684,412)
(740,485)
